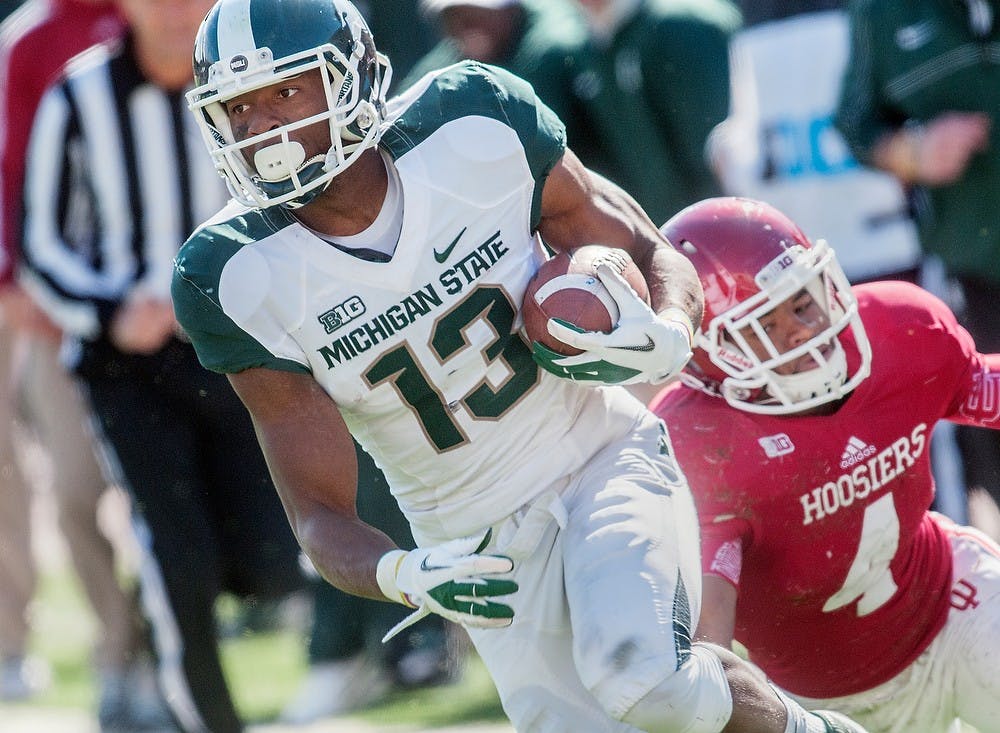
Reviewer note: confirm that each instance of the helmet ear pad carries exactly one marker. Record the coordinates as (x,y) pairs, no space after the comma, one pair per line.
(750,258)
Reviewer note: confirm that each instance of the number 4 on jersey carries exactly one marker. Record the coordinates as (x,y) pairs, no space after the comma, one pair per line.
(869,580)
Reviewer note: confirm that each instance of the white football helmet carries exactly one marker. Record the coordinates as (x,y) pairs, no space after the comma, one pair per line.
(750,258)
(244,45)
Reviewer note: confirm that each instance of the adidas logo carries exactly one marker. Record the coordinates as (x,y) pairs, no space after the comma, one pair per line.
(855,451)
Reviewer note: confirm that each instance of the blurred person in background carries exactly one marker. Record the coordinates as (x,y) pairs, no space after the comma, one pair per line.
(542,41)
(35,43)
(403,30)
(919,97)
(116,178)
(655,79)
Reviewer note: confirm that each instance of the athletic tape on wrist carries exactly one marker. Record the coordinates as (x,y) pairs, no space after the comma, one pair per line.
(677,315)
(386,572)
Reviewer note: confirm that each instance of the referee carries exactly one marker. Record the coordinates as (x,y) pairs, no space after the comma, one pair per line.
(117,177)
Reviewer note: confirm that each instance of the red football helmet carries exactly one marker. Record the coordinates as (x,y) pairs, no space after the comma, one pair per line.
(750,258)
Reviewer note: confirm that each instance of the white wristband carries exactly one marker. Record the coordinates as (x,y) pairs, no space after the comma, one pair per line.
(385,574)
(673,313)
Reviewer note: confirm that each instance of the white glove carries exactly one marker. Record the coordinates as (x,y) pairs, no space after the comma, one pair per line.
(452,580)
(643,347)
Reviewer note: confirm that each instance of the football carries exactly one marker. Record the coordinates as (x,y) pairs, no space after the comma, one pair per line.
(567,287)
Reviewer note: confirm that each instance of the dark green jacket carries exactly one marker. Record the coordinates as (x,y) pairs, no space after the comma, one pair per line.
(545,53)
(655,94)
(912,60)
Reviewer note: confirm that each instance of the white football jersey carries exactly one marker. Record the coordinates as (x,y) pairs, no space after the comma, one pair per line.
(423,354)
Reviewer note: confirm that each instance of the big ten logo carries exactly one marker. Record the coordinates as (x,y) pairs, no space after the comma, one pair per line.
(793,148)
(343,313)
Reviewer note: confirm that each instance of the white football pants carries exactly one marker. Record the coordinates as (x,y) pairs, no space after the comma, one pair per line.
(610,588)
(958,675)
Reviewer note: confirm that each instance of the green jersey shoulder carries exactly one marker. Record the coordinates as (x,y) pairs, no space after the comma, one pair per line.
(468,89)
(197,282)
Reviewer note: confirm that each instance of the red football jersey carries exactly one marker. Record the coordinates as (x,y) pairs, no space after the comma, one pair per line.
(821,521)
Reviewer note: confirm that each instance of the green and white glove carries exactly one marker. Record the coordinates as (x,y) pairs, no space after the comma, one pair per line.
(452,580)
(643,347)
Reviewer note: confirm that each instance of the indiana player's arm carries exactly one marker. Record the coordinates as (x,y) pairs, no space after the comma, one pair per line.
(581,207)
(311,457)
(717,623)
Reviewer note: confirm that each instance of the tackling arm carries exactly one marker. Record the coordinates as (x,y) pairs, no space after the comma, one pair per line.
(976,403)
(717,622)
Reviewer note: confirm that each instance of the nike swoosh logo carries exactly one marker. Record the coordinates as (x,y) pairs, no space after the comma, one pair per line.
(442,256)
(423,563)
(648,346)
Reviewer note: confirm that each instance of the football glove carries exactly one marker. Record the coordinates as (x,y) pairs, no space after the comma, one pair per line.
(643,347)
(452,580)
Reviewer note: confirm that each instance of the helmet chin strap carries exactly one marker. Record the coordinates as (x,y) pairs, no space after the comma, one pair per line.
(277,162)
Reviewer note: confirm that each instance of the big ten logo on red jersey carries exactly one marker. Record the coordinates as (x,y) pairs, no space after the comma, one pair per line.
(983,403)
(797,147)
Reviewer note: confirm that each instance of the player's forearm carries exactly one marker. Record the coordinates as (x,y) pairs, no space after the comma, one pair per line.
(672,280)
(717,622)
(673,284)
(344,551)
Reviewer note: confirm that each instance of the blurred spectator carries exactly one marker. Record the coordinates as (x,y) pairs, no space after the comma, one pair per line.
(34,45)
(116,178)
(539,40)
(656,81)
(919,95)
(402,32)
(349,667)
(779,143)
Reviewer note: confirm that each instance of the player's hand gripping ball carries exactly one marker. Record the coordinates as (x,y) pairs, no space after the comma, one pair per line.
(566,287)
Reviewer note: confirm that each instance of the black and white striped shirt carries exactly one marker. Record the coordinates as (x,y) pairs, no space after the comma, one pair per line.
(117,177)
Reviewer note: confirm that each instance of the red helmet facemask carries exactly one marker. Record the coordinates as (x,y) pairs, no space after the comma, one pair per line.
(750,259)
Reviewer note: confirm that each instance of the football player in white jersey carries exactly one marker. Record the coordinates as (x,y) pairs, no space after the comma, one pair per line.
(367,280)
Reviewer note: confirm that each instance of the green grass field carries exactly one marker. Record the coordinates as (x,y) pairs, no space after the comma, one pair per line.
(264,669)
